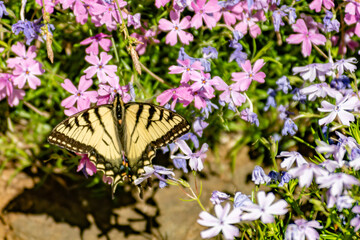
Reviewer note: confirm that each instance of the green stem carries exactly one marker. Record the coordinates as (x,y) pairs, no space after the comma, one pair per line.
(321,52)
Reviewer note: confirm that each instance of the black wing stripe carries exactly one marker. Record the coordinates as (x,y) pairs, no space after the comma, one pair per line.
(152,111)
(138,114)
(86,116)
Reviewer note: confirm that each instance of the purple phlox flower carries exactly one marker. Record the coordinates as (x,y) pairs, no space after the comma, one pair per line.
(204,11)
(176,28)
(282,112)
(100,67)
(290,158)
(277,19)
(312,71)
(297,96)
(210,52)
(285,178)
(258,176)
(292,232)
(307,228)
(86,166)
(306,173)
(341,82)
(343,144)
(199,125)
(251,73)
(80,95)
(205,83)
(30,29)
(270,101)
(3,9)
(221,223)
(189,70)
(265,209)
(98,39)
(208,108)
(320,90)
(234,43)
(275,176)
(195,159)
(239,56)
(283,84)
(241,199)
(340,110)
(249,116)
(330,24)
(180,163)
(292,13)
(355,222)
(329,149)
(157,171)
(306,37)
(134,20)
(27,72)
(355,158)
(336,182)
(289,127)
(344,202)
(218,197)
(345,65)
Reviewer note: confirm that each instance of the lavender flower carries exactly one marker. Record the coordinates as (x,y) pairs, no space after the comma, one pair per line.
(336,182)
(344,202)
(157,171)
(355,222)
(271,99)
(292,13)
(249,116)
(238,55)
(277,17)
(265,210)
(346,65)
(289,128)
(285,178)
(282,112)
(241,200)
(306,228)
(313,71)
(195,159)
(306,173)
(30,29)
(292,232)
(180,163)
(210,52)
(283,84)
(355,159)
(221,223)
(199,125)
(329,23)
(274,176)
(298,96)
(259,176)
(218,197)
(320,90)
(290,158)
(3,9)
(341,82)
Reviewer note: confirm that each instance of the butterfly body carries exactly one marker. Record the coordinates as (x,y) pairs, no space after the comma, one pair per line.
(108,133)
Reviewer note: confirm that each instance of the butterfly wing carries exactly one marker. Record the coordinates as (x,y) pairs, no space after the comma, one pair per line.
(95,132)
(147,127)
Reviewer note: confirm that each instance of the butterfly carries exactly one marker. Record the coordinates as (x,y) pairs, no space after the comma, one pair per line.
(120,139)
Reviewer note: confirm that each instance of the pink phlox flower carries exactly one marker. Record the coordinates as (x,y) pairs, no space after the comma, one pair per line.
(107,14)
(20,50)
(161,3)
(317,4)
(86,166)
(306,173)
(347,42)
(265,209)
(49,4)
(204,11)
(98,39)
(181,94)
(107,93)
(228,12)
(204,82)
(148,37)
(221,223)
(336,182)
(340,110)
(245,78)
(134,20)
(345,65)
(188,70)
(7,89)
(176,28)
(80,9)
(28,71)
(305,37)
(195,159)
(353,7)
(231,95)
(313,71)
(320,90)
(103,71)
(80,95)
(290,158)
(200,98)
(249,21)
(353,18)
(73,110)
(306,228)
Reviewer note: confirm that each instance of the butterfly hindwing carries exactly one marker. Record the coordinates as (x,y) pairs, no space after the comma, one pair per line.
(148,127)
